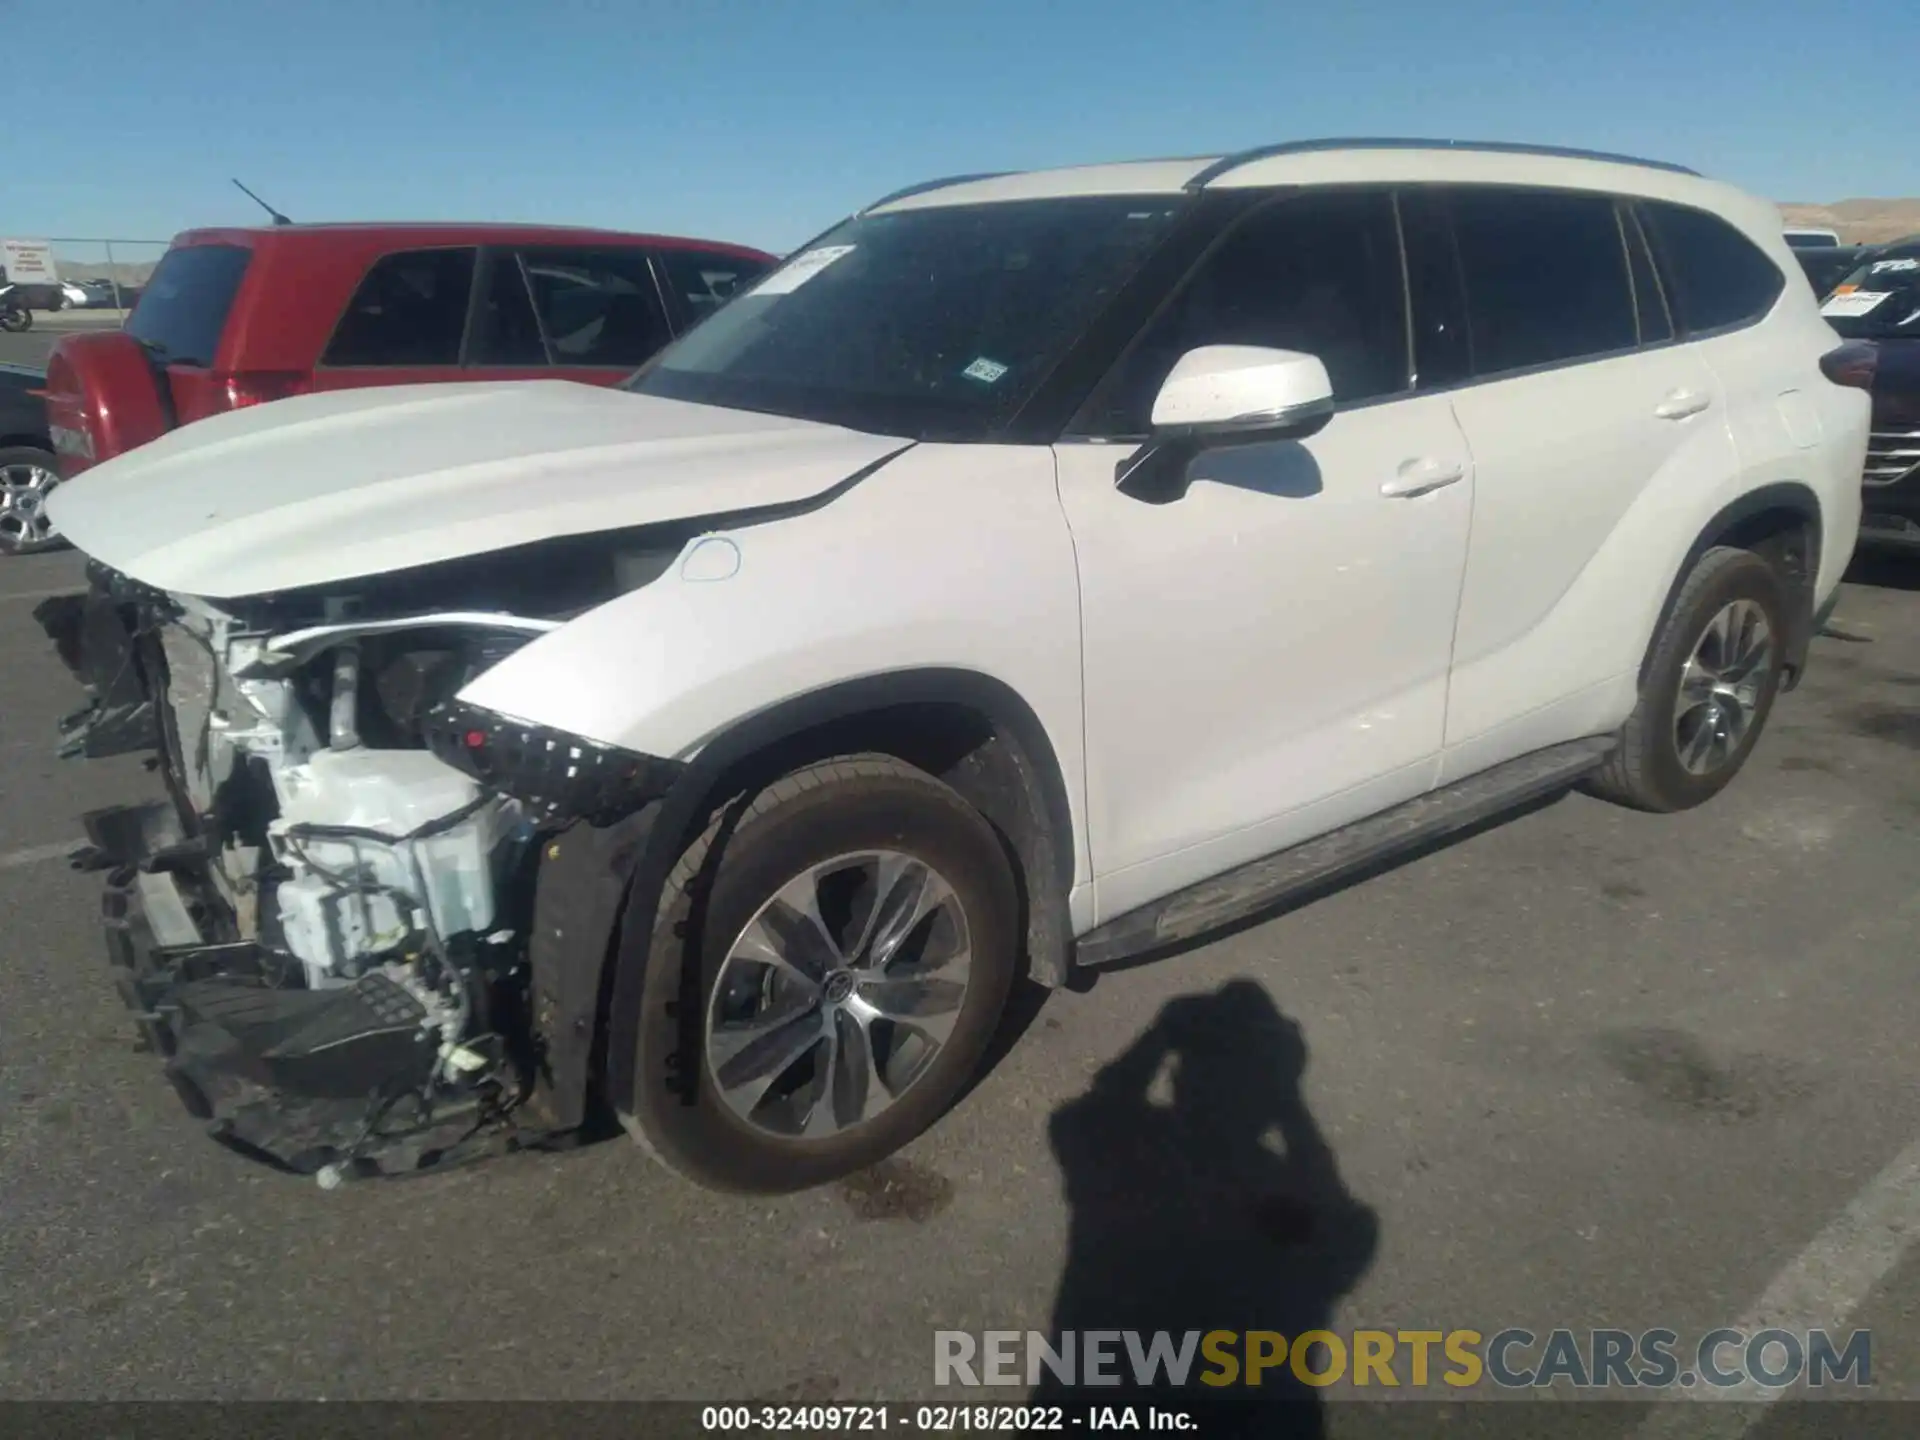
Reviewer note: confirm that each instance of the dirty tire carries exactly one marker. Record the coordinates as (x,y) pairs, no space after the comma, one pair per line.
(1646,772)
(749,850)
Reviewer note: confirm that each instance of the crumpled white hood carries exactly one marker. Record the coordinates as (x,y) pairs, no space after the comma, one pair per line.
(331,487)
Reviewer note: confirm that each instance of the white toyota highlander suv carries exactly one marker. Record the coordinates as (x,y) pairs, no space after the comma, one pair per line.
(1036,570)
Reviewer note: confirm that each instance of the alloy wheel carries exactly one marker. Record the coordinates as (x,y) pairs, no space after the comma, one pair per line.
(24,488)
(838,995)
(1721,687)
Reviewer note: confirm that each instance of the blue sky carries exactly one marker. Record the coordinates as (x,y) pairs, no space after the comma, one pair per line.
(765,122)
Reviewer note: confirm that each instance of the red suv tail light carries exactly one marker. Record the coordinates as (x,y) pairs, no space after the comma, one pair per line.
(257,387)
(1853,364)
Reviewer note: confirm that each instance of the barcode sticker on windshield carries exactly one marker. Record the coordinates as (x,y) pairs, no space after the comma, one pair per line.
(1855,302)
(984,370)
(799,270)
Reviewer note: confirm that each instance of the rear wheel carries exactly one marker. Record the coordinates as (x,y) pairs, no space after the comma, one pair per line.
(829,963)
(1710,685)
(27,478)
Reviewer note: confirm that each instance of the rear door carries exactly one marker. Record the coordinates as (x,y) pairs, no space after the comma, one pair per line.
(406,322)
(1576,400)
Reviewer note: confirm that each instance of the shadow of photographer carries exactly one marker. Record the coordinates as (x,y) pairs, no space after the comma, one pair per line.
(1221,1210)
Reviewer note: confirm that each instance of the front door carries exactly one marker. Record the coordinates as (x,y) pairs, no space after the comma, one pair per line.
(1266,656)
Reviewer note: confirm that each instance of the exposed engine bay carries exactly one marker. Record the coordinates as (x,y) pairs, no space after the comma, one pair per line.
(326,928)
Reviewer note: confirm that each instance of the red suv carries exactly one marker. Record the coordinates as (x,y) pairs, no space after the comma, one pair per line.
(238,317)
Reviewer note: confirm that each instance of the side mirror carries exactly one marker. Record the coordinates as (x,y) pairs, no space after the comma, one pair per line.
(1227,395)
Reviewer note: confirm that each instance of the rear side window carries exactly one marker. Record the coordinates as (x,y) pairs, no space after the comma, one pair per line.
(1546,278)
(1319,274)
(1716,277)
(596,307)
(183,310)
(411,309)
(702,280)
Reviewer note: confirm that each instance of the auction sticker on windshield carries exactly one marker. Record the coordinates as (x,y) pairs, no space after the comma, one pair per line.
(1855,302)
(801,269)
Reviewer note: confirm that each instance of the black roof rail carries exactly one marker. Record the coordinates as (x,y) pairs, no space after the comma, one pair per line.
(1232,162)
(925,185)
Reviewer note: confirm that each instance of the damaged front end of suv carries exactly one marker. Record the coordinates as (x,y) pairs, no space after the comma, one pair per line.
(328,924)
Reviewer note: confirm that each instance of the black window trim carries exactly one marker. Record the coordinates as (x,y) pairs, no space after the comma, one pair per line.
(1663,267)
(490,257)
(1076,430)
(1457,284)
(459,361)
(1634,234)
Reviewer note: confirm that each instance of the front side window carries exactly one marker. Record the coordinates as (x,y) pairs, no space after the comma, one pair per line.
(1319,274)
(1879,300)
(1717,278)
(411,309)
(597,307)
(1545,275)
(937,322)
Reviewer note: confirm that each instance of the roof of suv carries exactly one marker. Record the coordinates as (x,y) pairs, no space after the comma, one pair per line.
(382,233)
(1329,162)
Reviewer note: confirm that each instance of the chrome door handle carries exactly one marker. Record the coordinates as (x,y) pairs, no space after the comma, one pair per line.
(1421,477)
(1682,403)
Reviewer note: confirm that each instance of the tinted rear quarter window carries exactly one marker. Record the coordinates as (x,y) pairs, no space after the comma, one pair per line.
(703,280)
(184,308)
(1546,278)
(1716,277)
(411,309)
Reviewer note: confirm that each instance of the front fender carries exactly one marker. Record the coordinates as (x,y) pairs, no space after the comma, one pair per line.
(951,558)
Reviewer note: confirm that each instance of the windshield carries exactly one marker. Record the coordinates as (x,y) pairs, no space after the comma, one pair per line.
(936,323)
(1880,300)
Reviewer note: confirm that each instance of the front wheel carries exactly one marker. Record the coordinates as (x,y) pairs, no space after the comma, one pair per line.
(15,321)
(27,479)
(1711,681)
(828,966)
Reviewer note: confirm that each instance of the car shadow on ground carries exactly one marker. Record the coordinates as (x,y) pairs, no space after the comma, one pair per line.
(1216,1206)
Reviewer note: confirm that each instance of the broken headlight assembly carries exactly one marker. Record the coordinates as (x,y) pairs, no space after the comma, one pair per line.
(559,777)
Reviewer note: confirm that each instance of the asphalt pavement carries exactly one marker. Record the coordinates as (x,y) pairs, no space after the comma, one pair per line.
(31,347)
(1588,1068)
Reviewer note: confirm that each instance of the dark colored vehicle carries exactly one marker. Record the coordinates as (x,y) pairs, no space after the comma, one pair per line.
(15,314)
(1880,302)
(27,470)
(238,317)
(1827,266)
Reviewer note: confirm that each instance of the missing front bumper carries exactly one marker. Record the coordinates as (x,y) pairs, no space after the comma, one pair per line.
(98,639)
(308,1081)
